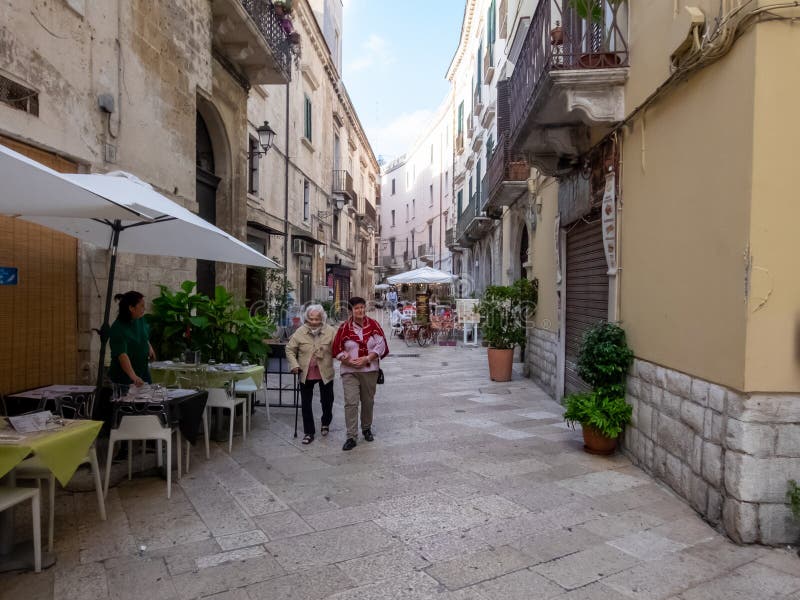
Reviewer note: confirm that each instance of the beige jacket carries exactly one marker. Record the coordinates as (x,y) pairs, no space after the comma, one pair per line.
(302,345)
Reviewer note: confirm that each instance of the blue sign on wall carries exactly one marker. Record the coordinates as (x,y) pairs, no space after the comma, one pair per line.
(8,276)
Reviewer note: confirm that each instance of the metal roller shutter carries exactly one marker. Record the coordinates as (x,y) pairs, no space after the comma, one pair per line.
(587,294)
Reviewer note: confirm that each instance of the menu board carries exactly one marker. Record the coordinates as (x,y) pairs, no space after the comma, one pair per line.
(466,310)
(423,310)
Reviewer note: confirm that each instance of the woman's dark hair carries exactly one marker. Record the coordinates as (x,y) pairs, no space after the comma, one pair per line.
(126,302)
(356,300)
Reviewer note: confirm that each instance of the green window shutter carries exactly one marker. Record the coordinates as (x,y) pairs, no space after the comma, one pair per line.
(461,118)
(460,201)
(308,132)
(480,62)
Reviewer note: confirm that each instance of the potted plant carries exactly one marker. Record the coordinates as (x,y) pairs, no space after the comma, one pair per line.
(593,12)
(557,34)
(793,500)
(505,312)
(603,363)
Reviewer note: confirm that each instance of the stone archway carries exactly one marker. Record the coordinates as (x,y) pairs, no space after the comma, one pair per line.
(213,185)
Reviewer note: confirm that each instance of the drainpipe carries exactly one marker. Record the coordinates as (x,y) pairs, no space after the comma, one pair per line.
(286,193)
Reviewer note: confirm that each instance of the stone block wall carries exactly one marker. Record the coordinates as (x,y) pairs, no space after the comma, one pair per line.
(542,353)
(728,454)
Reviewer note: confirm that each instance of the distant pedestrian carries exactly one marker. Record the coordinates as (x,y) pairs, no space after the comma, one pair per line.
(391,297)
(359,345)
(309,355)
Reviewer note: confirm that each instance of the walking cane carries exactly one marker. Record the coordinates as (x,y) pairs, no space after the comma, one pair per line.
(296,393)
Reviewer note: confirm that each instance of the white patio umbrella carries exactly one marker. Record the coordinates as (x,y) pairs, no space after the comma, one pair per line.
(423,275)
(31,189)
(164,229)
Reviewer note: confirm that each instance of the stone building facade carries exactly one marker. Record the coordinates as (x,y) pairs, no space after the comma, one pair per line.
(157,89)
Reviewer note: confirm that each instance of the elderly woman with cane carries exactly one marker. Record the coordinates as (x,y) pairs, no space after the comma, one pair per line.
(360,345)
(309,355)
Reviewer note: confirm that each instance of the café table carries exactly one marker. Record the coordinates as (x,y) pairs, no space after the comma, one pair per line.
(62,450)
(41,395)
(182,408)
(204,376)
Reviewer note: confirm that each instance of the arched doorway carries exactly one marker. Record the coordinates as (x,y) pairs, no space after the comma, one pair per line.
(206,194)
(523,253)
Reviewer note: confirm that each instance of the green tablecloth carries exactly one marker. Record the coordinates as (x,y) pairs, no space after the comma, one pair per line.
(61,450)
(191,376)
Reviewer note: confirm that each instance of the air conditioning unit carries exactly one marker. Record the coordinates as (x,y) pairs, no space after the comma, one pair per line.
(302,247)
(323,292)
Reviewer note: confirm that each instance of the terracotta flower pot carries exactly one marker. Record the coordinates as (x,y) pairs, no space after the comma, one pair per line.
(595,442)
(557,36)
(500,363)
(599,60)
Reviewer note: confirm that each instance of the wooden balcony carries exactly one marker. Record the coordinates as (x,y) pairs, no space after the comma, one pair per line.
(568,80)
(248,36)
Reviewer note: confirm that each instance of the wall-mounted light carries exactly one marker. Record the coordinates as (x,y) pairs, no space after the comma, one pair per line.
(265,137)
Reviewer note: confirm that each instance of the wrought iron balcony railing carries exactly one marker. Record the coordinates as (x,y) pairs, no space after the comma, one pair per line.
(263,14)
(465,218)
(559,39)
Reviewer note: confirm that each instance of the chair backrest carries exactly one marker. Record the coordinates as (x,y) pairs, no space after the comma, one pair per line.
(78,406)
(218,397)
(140,424)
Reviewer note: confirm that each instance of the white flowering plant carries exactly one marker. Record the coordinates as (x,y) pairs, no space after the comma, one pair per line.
(507,311)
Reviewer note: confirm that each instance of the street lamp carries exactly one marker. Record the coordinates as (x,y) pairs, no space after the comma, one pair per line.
(265,137)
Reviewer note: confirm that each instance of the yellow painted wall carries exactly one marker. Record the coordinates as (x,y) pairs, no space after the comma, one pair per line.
(773,324)
(544,259)
(685,221)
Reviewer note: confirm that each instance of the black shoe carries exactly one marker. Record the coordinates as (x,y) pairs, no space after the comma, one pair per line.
(368,435)
(349,444)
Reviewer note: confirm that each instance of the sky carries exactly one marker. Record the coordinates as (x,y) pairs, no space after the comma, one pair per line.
(395,57)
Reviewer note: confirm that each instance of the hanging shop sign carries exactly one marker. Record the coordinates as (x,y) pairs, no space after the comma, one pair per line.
(609,221)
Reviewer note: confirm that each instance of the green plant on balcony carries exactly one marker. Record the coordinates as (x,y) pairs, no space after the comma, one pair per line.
(593,12)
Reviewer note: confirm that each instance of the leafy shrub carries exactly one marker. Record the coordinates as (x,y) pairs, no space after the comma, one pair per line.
(603,363)
(219,328)
(608,415)
(793,498)
(506,311)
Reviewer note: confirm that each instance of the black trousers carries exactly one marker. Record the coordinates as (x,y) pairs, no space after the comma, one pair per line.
(326,399)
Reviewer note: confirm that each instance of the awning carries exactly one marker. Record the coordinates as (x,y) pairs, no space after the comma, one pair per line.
(423,275)
(302,234)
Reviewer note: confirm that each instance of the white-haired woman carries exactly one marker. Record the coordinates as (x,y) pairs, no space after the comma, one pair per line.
(309,355)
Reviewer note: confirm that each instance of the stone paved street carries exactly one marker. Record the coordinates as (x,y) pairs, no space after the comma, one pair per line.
(472,490)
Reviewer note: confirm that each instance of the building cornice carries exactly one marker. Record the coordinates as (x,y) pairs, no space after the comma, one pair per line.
(466,31)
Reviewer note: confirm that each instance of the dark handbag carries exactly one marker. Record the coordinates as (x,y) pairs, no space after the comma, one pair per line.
(380,376)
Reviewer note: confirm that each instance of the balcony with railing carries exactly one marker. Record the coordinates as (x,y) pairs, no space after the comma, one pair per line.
(459,143)
(506,174)
(477,99)
(473,224)
(249,36)
(449,238)
(343,184)
(569,78)
(488,64)
(370,215)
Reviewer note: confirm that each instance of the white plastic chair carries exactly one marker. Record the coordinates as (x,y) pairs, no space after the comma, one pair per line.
(11,496)
(33,468)
(220,398)
(250,389)
(143,427)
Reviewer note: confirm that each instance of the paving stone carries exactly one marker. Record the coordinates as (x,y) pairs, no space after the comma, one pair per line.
(444,546)
(140,578)
(227,576)
(555,544)
(646,545)
(604,482)
(314,584)
(242,540)
(661,579)
(282,525)
(478,566)
(332,546)
(411,586)
(213,560)
(520,585)
(749,581)
(83,582)
(384,565)
(586,566)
